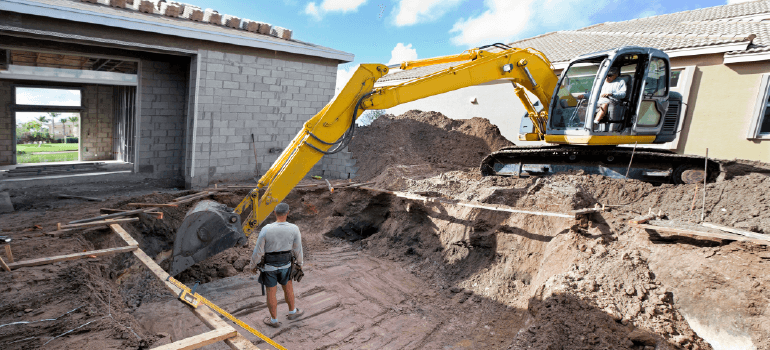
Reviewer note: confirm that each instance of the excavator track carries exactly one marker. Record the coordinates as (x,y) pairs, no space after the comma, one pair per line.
(656,166)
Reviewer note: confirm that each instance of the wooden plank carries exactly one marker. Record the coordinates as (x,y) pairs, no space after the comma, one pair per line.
(9,253)
(200,340)
(55,259)
(150,205)
(109,216)
(754,235)
(92,199)
(206,315)
(697,234)
(191,199)
(96,223)
(190,196)
(643,219)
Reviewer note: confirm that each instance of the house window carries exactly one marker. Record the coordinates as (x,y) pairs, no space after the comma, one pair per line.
(675,73)
(760,123)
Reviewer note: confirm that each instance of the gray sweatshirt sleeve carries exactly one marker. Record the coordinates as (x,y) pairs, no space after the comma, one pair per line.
(621,93)
(259,248)
(296,247)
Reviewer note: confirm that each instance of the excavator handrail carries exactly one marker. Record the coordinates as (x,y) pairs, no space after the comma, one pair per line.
(526,69)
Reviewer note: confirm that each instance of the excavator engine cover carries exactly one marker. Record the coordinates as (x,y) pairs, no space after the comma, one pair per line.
(207,229)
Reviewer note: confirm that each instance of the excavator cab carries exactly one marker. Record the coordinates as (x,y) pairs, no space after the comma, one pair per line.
(640,116)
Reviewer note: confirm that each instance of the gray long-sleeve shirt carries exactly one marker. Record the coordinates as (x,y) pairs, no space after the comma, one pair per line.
(278,237)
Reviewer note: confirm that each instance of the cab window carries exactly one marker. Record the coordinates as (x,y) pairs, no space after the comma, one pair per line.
(657,77)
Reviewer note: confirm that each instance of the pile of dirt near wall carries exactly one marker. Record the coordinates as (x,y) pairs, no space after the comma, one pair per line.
(423,142)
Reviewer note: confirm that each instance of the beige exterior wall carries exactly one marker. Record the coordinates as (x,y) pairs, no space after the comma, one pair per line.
(722,102)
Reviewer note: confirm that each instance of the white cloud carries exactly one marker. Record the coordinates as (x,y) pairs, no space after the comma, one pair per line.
(344,6)
(343,75)
(507,20)
(501,22)
(312,10)
(411,12)
(402,53)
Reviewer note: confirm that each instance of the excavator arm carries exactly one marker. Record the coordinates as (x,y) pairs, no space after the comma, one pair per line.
(526,69)
(211,227)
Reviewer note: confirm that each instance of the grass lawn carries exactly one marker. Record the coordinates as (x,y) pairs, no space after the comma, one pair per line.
(28,153)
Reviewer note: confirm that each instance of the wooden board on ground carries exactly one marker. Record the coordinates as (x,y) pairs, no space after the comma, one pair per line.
(55,259)
(96,223)
(754,235)
(150,205)
(697,234)
(206,315)
(92,199)
(200,340)
(4,265)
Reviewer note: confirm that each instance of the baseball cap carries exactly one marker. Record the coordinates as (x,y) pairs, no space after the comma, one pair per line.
(282,208)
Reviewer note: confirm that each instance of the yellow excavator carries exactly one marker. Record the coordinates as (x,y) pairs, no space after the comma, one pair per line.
(562,118)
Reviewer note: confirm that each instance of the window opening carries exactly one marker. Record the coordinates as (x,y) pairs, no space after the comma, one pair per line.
(43,133)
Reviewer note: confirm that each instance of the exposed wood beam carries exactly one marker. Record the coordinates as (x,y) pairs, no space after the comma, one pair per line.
(200,340)
(37,59)
(115,66)
(102,65)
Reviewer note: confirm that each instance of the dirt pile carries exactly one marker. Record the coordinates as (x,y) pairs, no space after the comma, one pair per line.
(425,142)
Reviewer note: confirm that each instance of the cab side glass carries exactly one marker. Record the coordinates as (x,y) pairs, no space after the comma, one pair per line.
(656,78)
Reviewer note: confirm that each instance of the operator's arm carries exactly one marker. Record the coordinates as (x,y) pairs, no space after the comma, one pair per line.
(296,247)
(620,90)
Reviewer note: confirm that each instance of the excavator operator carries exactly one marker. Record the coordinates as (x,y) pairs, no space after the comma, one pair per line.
(611,88)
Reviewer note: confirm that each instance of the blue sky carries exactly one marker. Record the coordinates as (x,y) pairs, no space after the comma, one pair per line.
(382,31)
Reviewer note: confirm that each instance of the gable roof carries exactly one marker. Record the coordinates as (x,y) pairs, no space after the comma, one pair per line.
(130,17)
(738,30)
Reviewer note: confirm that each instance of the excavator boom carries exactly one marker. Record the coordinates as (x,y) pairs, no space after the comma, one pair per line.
(331,129)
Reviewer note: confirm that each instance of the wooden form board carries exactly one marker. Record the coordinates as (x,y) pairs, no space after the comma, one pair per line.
(199,340)
(750,234)
(96,223)
(55,259)
(697,234)
(206,315)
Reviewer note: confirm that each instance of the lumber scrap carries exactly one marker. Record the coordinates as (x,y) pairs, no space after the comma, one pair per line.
(750,234)
(120,213)
(60,227)
(697,234)
(151,205)
(643,219)
(92,199)
(204,193)
(200,340)
(55,259)
(203,312)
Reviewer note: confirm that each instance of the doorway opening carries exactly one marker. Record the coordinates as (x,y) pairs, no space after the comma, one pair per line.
(47,124)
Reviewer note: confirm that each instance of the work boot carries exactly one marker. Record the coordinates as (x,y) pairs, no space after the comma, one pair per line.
(270,323)
(296,315)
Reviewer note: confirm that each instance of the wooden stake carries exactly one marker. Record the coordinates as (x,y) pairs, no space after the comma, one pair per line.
(705,176)
(55,259)
(98,223)
(8,253)
(694,196)
(5,267)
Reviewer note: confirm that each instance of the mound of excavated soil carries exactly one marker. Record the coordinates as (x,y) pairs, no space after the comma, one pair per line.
(427,141)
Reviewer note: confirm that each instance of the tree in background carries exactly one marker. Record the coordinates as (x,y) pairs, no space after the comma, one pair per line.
(64,128)
(53,115)
(74,121)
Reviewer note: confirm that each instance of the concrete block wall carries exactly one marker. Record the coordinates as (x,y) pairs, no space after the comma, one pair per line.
(338,166)
(241,95)
(97,123)
(7,127)
(163,118)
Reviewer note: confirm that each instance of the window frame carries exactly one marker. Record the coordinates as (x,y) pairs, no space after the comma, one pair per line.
(760,107)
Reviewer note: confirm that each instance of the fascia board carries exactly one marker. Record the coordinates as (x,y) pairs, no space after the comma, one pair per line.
(705,50)
(747,57)
(77,15)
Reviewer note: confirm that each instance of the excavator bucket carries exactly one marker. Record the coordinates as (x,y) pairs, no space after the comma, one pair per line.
(207,229)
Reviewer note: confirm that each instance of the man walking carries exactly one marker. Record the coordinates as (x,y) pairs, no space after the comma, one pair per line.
(278,243)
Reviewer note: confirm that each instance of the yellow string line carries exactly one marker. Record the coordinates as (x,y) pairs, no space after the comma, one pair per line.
(226,314)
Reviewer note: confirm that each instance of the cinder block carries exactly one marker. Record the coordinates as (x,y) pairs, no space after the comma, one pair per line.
(265,28)
(232,21)
(118,3)
(146,6)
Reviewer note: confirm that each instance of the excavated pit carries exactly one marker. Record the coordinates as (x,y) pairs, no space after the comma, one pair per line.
(389,272)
